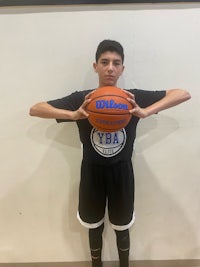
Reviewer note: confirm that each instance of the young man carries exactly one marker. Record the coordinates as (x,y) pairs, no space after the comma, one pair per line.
(108,178)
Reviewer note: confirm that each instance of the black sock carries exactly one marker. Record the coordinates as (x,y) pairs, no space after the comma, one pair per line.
(95,240)
(123,246)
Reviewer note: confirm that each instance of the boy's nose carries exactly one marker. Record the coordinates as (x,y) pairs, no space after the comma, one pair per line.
(110,66)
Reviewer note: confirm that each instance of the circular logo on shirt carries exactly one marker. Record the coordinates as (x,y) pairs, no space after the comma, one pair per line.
(108,144)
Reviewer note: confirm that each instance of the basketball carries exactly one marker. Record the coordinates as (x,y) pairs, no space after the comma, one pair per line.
(109,109)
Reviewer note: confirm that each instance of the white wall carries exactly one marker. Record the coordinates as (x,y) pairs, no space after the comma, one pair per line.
(46,53)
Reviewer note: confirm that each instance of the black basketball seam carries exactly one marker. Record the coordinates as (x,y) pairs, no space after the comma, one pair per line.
(109,95)
(108,129)
(110,114)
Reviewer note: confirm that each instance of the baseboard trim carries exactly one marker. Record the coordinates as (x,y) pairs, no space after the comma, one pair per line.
(142,263)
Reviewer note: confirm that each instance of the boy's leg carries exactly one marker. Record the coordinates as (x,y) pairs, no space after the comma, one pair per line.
(123,246)
(121,206)
(95,241)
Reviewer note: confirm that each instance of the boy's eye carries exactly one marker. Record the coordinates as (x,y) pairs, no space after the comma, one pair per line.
(116,63)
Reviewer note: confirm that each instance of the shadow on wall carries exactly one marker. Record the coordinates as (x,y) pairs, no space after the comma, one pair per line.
(64,139)
(40,207)
(162,227)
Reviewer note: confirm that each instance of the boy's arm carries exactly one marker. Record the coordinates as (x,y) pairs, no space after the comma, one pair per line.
(172,98)
(47,111)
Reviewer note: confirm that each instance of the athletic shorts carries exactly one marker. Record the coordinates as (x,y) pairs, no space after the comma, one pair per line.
(111,185)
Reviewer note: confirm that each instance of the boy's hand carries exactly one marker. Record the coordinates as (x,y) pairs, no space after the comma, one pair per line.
(81,113)
(136,110)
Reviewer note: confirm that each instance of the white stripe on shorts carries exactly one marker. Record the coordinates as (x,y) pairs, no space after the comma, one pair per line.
(124,227)
(89,225)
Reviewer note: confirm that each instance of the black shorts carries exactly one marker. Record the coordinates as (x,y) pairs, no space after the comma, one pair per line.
(112,185)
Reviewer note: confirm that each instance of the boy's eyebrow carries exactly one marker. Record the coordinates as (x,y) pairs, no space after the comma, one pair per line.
(115,60)
(104,59)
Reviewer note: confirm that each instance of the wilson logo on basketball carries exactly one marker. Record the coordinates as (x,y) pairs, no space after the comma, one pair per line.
(110,104)
(108,109)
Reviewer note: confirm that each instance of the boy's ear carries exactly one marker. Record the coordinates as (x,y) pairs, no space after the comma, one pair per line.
(95,66)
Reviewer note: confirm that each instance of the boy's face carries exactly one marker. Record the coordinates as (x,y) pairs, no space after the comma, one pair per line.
(109,68)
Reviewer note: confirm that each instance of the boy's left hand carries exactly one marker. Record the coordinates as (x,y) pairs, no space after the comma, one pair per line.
(136,110)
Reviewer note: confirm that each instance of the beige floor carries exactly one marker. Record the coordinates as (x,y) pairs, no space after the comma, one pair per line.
(171,263)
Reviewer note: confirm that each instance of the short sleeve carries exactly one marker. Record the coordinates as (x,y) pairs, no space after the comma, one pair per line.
(145,98)
(71,102)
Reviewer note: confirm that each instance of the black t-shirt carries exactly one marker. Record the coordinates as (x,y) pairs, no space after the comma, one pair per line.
(106,148)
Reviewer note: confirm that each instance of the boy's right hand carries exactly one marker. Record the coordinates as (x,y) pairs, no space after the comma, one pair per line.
(81,113)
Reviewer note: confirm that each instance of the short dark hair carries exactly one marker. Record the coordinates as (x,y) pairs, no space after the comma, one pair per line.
(109,45)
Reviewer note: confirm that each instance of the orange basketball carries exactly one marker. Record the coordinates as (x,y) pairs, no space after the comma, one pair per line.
(109,109)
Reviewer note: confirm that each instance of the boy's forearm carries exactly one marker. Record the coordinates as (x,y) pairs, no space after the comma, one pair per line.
(173,97)
(45,110)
